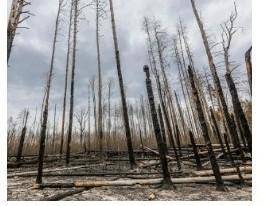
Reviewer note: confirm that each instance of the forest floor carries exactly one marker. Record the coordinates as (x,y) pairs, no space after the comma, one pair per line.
(21,188)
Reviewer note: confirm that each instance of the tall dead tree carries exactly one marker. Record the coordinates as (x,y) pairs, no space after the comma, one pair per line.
(66,79)
(46,104)
(122,91)
(17,9)
(228,32)
(249,67)
(22,136)
(161,146)
(75,21)
(219,182)
(156,28)
(186,96)
(81,117)
(231,127)
(99,14)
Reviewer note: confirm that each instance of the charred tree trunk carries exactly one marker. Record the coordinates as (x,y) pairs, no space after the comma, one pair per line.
(162,149)
(143,116)
(122,91)
(230,125)
(169,130)
(249,67)
(162,127)
(66,81)
(46,104)
(189,109)
(100,119)
(195,151)
(166,114)
(238,111)
(213,161)
(232,159)
(75,20)
(22,137)
(241,135)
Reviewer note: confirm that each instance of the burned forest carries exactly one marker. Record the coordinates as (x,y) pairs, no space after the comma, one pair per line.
(129,105)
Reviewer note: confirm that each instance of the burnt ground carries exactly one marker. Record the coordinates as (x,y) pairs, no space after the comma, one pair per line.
(20,188)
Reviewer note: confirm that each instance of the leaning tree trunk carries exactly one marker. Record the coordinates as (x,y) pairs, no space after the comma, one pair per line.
(162,127)
(122,91)
(213,161)
(66,81)
(230,124)
(161,146)
(46,104)
(249,67)
(75,20)
(195,151)
(238,111)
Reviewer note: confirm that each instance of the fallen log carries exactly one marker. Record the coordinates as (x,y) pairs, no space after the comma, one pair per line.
(200,153)
(53,185)
(204,153)
(80,183)
(99,174)
(62,195)
(208,162)
(223,171)
(46,170)
(155,152)
(89,183)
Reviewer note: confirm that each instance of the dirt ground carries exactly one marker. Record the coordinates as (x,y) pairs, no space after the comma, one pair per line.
(20,188)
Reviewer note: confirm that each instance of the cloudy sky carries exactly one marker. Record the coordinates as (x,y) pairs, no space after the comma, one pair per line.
(30,58)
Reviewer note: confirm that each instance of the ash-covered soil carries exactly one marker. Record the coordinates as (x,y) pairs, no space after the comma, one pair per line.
(20,188)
